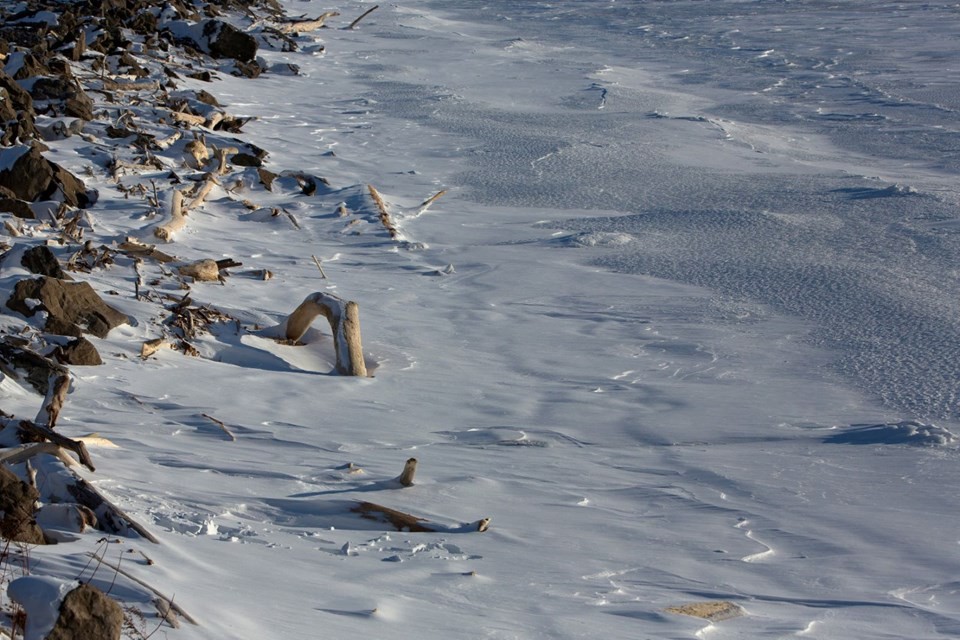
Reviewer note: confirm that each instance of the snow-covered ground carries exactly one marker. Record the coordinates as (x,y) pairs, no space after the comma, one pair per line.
(684,326)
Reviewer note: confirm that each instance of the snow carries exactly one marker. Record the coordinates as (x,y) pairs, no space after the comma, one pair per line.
(683,326)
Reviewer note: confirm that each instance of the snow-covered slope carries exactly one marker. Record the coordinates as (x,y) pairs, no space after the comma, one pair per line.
(675,353)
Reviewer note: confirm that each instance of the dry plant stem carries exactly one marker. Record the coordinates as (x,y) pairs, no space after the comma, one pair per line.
(220,424)
(173,605)
(385,219)
(344,318)
(316,261)
(306,25)
(429,201)
(177,221)
(61,441)
(364,15)
(409,470)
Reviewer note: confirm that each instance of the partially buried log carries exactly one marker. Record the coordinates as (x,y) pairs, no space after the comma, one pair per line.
(406,522)
(303,26)
(344,318)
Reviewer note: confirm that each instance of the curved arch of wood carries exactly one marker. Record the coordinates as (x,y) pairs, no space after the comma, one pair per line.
(344,318)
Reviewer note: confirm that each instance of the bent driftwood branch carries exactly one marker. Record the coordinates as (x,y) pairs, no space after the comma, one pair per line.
(344,318)
(406,522)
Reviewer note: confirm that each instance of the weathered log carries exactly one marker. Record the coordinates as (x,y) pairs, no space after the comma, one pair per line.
(409,470)
(110,516)
(23,453)
(406,522)
(135,248)
(205,270)
(302,26)
(344,318)
(46,433)
(221,156)
(177,219)
(208,184)
(188,118)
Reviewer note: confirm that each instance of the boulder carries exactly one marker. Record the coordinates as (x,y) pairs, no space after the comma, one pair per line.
(17,207)
(30,176)
(42,261)
(87,613)
(79,352)
(226,41)
(68,304)
(67,93)
(18,502)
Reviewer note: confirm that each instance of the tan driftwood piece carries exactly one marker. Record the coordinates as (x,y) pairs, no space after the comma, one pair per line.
(135,248)
(429,201)
(188,118)
(46,433)
(177,221)
(205,270)
(150,347)
(170,603)
(409,470)
(385,218)
(208,184)
(363,15)
(712,610)
(23,452)
(222,426)
(303,26)
(316,261)
(197,153)
(406,522)
(221,155)
(344,319)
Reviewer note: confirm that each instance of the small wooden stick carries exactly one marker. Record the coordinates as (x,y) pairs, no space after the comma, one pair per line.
(385,219)
(316,261)
(220,424)
(364,15)
(429,201)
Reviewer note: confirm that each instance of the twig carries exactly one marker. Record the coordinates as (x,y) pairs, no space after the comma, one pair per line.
(316,261)
(429,201)
(364,15)
(220,424)
(385,219)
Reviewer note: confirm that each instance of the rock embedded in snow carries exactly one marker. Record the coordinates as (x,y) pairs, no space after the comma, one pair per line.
(18,504)
(69,306)
(30,176)
(87,613)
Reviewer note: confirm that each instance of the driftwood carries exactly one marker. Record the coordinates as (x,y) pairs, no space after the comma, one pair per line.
(150,347)
(205,270)
(188,118)
(45,433)
(221,155)
(316,261)
(344,318)
(23,453)
(303,26)
(223,426)
(363,15)
(208,184)
(111,517)
(136,249)
(429,201)
(385,218)
(198,151)
(409,470)
(406,522)
(177,221)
